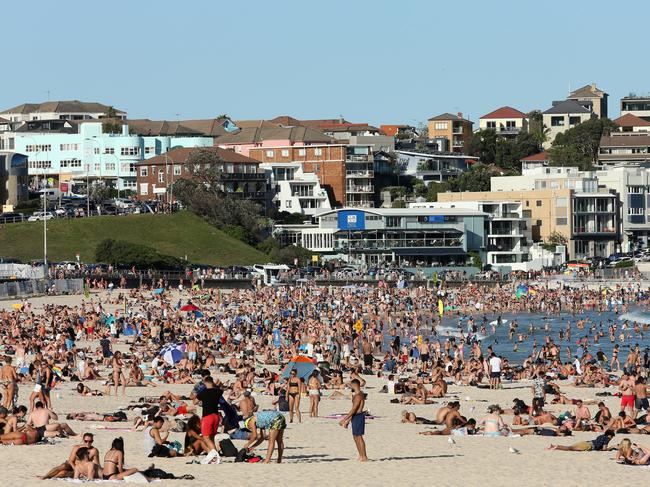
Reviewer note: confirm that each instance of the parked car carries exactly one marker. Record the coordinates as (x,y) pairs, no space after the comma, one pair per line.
(40,216)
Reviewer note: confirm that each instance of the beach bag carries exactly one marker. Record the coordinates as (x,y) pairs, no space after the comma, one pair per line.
(283,404)
(228,448)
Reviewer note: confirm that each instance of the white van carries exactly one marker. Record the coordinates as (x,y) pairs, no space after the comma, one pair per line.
(52,194)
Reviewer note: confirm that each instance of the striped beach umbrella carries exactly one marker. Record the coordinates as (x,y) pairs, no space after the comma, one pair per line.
(171,353)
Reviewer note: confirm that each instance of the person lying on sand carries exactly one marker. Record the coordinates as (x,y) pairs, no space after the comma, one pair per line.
(597,444)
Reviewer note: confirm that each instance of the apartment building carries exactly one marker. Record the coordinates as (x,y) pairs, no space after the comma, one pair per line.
(451,131)
(562,116)
(14,180)
(345,172)
(632,104)
(433,166)
(624,148)
(359,134)
(60,110)
(294,190)
(562,200)
(239,176)
(505,121)
(64,151)
(270,136)
(632,123)
(407,236)
(592,98)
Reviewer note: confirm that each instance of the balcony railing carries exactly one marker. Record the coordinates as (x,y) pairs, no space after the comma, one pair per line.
(593,230)
(360,174)
(359,158)
(393,243)
(239,176)
(361,189)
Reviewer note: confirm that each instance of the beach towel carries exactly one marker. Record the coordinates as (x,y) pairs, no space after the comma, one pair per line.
(343,415)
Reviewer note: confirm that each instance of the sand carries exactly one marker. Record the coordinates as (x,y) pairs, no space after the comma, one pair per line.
(320,452)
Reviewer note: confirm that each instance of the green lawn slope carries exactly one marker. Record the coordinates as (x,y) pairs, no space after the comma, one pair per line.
(180,234)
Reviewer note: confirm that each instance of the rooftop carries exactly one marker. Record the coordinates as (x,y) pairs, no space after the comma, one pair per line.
(541,157)
(66,106)
(504,112)
(566,106)
(180,155)
(148,127)
(626,139)
(408,211)
(449,116)
(587,91)
(258,134)
(629,120)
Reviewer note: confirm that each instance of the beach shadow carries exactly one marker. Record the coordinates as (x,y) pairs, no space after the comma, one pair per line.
(314,459)
(419,457)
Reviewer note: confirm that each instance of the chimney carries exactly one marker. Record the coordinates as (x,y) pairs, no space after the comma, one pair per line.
(593,86)
(460,114)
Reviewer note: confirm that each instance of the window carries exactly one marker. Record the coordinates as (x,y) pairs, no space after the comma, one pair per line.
(95,150)
(440,126)
(70,163)
(40,164)
(561,221)
(635,189)
(393,221)
(302,152)
(527,203)
(270,153)
(125,167)
(161,176)
(177,170)
(557,121)
(144,172)
(288,203)
(130,151)
(144,188)
(538,202)
(109,150)
(149,150)
(65,147)
(285,152)
(574,120)
(318,151)
(491,125)
(110,166)
(635,211)
(561,202)
(98,167)
(38,148)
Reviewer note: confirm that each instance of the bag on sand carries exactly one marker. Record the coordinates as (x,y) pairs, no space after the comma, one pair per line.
(283,404)
(228,448)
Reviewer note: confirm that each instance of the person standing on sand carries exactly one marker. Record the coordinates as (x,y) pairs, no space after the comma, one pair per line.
(357,417)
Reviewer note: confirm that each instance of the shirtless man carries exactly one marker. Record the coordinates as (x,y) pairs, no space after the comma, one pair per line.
(40,418)
(641,393)
(247,405)
(66,469)
(356,416)
(582,415)
(626,386)
(10,378)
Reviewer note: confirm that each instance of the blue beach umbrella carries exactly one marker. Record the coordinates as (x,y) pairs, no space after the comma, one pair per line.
(171,353)
(303,365)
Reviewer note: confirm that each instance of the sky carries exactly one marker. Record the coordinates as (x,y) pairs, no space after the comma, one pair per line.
(372,61)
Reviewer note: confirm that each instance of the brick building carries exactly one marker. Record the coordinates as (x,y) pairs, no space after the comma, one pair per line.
(344,171)
(240,175)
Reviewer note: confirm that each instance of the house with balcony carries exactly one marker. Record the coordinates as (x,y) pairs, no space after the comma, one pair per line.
(239,176)
(407,236)
(592,98)
(595,229)
(268,136)
(624,148)
(637,105)
(505,121)
(450,132)
(294,190)
(60,110)
(632,123)
(433,167)
(562,116)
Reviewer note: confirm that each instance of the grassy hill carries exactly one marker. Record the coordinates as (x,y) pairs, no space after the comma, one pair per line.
(179,234)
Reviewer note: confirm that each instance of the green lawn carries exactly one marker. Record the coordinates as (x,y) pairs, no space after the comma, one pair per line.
(180,234)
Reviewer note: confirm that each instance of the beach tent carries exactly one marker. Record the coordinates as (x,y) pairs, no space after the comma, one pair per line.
(303,365)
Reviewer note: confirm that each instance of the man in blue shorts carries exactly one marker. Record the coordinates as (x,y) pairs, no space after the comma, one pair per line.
(357,417)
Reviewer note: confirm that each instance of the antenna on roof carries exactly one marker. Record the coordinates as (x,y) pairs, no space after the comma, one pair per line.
(48,94)
(177,116)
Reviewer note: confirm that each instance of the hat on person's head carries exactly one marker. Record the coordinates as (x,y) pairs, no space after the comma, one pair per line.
(247,393)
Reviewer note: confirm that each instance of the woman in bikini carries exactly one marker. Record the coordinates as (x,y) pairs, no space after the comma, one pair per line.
(117,364)
(84,467)
(313,388)
(114,462)
(293,395)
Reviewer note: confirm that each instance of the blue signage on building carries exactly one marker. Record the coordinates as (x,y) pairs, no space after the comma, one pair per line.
(352,220)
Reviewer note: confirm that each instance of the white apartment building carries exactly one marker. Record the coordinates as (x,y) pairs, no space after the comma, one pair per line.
(296,191)
(60,110)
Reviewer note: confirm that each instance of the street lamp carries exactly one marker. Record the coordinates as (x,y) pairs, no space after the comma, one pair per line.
(169,188)
(99,152)
(44,196)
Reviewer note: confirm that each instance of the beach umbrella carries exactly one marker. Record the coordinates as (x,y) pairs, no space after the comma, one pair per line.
(303,365)
(160,290)
(189,307)
(172,353)
(17,306)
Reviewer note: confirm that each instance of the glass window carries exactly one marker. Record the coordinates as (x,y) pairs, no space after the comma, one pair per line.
(318,151)
(561,202)
(269,153)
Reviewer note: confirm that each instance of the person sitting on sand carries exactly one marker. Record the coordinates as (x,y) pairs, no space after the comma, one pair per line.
(195,443)
(84,467)
(114,462)
(66,469)
(492,423)
(87,391)
(40,419)
(155,444)
(597,444)
(621,423)
(633,454)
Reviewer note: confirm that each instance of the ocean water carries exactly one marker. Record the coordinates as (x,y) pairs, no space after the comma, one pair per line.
(497,336)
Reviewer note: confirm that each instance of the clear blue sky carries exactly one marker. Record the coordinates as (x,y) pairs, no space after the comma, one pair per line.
(376,61)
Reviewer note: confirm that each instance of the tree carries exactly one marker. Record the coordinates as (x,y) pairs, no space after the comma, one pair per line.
(483,144)
(537,128)
(111,125)
(510,151)
(476,179)
(581,142)
(204,195)
(123,252)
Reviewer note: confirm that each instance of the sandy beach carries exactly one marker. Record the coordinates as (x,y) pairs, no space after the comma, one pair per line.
(320,452)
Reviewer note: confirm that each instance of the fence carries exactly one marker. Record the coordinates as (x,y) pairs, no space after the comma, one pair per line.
(20,289)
